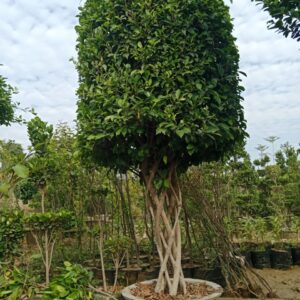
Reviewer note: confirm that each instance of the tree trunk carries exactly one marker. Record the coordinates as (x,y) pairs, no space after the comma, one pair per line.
(47,261)
(43,192)
(165,207)
(100,246)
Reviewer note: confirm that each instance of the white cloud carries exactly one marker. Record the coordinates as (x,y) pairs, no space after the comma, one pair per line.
(272,64)
(38,39)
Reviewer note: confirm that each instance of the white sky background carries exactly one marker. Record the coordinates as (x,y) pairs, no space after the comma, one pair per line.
(38,39)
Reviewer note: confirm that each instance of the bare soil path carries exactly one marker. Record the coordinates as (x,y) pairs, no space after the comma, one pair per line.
(286,283)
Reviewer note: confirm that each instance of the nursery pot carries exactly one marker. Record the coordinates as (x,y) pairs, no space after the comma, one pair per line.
(213,274)
(189,270)
(148,274)
(296,255)
(281,259)
(132,274)
(127,295)
(261,259)
(110,275)
(248,257)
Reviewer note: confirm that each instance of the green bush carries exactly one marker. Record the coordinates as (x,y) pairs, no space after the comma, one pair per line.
(11,233)
(71,284)
(17,284)
(51,221)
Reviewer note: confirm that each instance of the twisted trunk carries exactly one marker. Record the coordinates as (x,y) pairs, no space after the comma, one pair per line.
(165,208)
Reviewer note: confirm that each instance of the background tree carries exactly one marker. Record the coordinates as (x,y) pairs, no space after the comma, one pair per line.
(272,139)
(13,170)
(285,16)
(159,91)
(6,104)
(41,165)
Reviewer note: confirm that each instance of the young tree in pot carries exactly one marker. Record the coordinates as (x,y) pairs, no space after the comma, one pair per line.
(117,247)
(159,91)
(46,228)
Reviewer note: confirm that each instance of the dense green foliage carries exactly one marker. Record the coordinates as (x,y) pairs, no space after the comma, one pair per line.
(260,201)
(17,284)
(72,284)
(51,221)
(40,134)
(158,80)
(11,233)
(285,16)
(6,104)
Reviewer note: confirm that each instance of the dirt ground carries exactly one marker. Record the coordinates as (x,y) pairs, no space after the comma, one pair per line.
(286,283)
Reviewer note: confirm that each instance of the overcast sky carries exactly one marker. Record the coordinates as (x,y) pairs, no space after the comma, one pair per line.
(38,40)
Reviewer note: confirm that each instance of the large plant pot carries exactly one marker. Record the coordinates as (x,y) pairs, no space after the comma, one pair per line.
(261,259)
(281,259)
(189,270)
(296,255)
(132,274)
(127,295)
(213,274)
(248,257)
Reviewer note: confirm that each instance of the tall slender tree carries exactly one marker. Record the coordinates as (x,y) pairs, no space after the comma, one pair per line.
(6,104)
(272,139)
(159,91)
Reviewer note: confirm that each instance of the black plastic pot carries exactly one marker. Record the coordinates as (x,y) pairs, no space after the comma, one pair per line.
(131,274)
(296,255)
(187,272)
(214,275)
(261,259)
(110,275)
(148,274)
(248,257)
(281,259)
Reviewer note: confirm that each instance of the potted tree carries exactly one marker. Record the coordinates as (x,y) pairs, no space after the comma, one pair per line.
(117,247)
(296,247)
(261,254)
(159,91)
(281,254)
(46,229)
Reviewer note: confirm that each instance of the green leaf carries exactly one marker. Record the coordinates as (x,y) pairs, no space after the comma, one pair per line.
(4,187)
(165,159)
(140,45)
(21,171)
(199,86)
(183,131)
(15,294)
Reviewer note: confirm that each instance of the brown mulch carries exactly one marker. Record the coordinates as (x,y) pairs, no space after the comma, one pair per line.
(194,290)
(113,290)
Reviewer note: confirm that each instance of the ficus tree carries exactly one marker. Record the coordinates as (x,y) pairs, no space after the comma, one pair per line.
(159,91)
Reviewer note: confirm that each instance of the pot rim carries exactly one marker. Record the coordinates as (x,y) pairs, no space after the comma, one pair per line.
(126,292)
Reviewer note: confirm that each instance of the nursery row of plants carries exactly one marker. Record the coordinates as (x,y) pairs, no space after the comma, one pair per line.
(155,182)
(58,207)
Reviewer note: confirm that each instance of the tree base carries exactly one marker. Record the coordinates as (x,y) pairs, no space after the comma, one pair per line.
(215,290)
